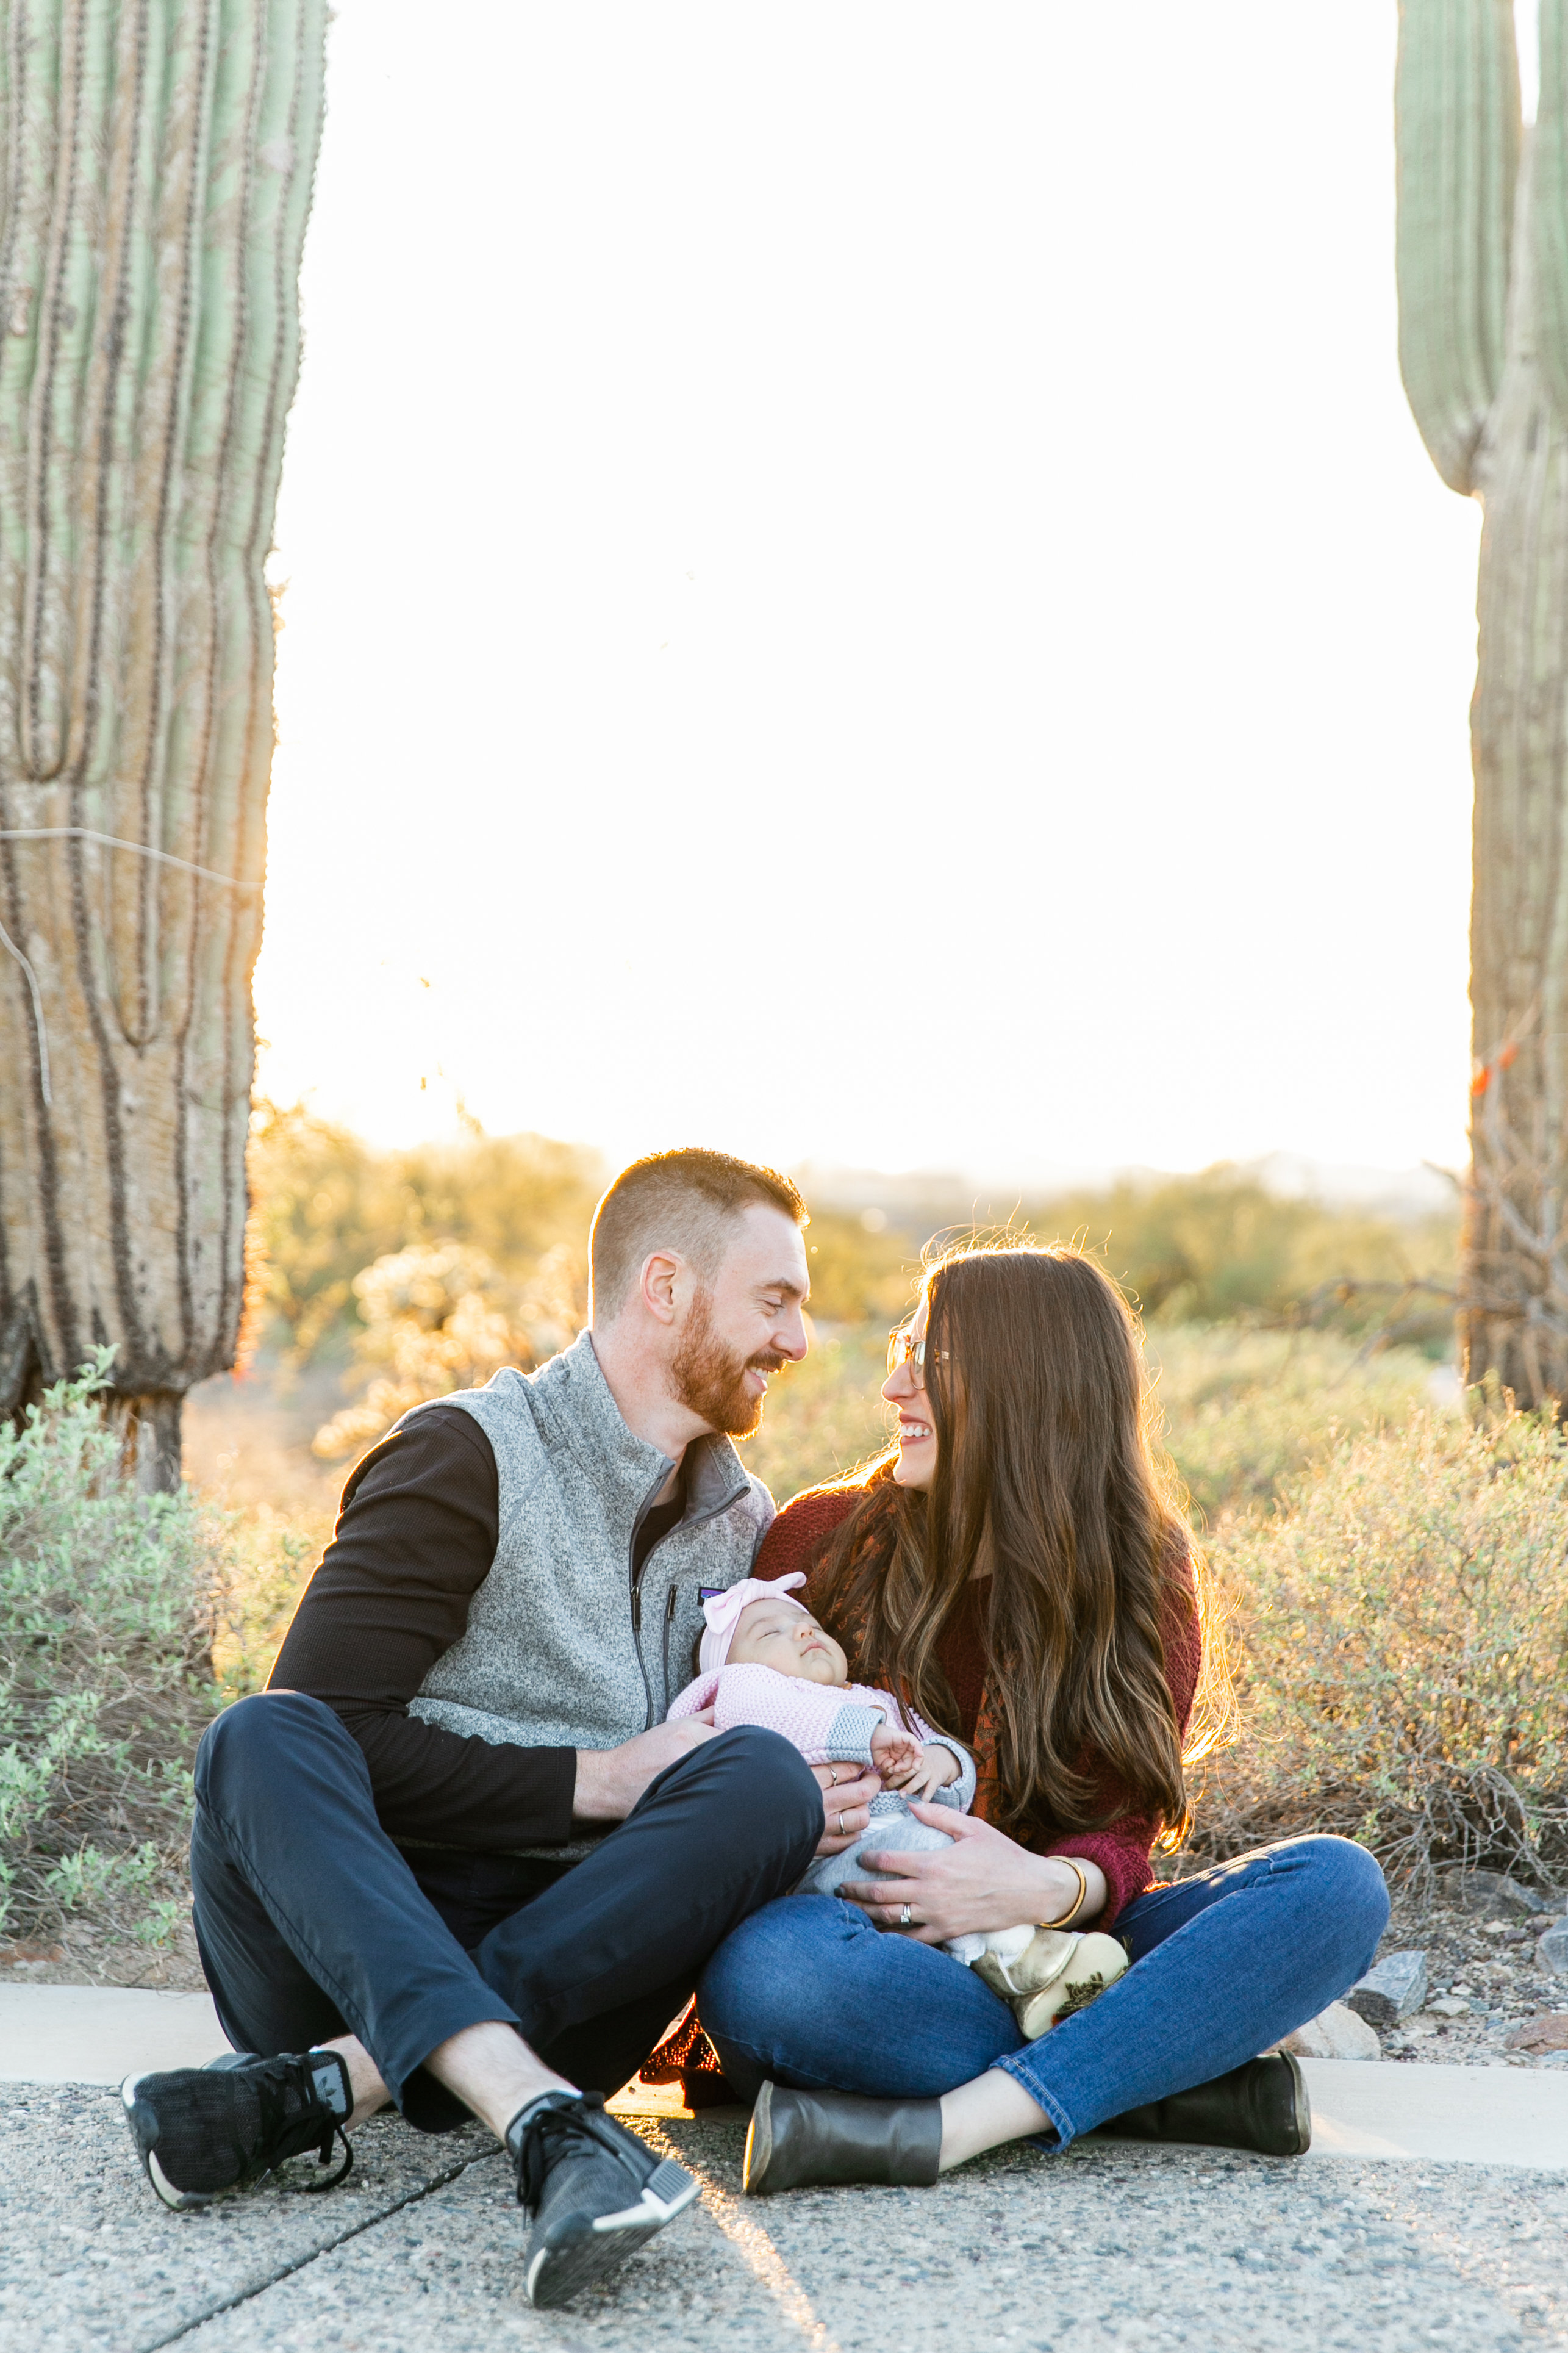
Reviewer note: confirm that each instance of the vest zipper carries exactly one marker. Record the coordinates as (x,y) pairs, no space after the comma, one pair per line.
(634,1582)
(668,1623)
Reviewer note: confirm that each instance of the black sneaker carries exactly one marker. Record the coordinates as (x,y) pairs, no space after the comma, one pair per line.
(591,2191)
(204,2132)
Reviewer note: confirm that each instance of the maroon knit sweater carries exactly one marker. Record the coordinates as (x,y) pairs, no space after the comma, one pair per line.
(799,1538)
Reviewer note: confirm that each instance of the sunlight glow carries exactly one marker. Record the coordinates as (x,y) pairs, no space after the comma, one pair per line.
(861,584)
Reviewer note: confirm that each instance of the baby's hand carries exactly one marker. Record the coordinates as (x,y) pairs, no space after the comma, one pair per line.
(896,1757)
(935,1768)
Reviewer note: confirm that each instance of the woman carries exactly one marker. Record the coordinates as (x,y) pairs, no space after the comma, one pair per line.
(1013,1567)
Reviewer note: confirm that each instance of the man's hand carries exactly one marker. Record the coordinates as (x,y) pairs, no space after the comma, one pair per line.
(611,1780)
(847,1794)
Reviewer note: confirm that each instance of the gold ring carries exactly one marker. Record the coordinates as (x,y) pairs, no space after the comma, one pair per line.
(904,1920)
(842,1832)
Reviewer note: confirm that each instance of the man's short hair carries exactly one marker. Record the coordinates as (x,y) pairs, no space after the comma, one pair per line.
(681,1201)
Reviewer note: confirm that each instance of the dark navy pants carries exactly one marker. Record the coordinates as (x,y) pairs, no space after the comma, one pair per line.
(312,1924)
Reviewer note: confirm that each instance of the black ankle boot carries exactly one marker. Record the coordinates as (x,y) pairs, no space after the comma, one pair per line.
(800,2139)
(1262,2105)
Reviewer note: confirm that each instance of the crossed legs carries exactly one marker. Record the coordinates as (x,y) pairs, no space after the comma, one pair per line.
(809,1993)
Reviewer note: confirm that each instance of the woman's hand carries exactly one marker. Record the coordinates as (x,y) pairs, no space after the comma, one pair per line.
(981,1880)
(847,1794)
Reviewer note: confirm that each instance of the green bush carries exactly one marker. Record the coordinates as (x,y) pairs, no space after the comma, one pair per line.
(1399,1631)
(1204,1248)
(107,1606)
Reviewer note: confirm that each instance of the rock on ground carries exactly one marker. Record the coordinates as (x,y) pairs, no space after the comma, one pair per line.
(1391,1989)
(1494,1895)
(1488,1973)
(1552,1952)
(1336,2033)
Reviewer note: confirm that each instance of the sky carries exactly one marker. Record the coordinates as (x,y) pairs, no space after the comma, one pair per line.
(860,586)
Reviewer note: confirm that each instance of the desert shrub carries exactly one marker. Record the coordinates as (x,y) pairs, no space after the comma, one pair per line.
(1244,1411)
(1399,1631)
(321,1209)
(1220,1245)
(269,1558)
(444,1317)
(860,1272)
(1202,1248)
(108,1604)
(327,1205)
(1194,1248)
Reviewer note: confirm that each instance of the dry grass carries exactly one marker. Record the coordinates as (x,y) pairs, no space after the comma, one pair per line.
(1247,1411)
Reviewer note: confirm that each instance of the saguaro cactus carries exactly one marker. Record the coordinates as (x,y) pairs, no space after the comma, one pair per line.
(156,171)
(1483,343)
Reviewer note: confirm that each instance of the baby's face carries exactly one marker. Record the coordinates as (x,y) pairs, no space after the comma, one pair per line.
(778,1635)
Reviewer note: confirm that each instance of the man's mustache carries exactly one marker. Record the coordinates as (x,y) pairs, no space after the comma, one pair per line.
(767,1363)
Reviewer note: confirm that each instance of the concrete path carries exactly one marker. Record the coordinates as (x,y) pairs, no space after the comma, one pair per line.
(99,2034)
(1441,2116)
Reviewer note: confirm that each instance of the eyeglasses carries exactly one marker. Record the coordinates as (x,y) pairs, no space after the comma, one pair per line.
(903,1348)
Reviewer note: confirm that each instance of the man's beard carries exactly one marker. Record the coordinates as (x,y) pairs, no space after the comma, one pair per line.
(711,1379)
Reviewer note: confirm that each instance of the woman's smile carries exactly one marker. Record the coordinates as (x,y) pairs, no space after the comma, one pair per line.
(905,1388)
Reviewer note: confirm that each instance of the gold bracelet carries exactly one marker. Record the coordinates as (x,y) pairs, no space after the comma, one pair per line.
(1076,1906)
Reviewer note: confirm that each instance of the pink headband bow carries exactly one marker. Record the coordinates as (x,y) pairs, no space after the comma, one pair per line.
(723,1611)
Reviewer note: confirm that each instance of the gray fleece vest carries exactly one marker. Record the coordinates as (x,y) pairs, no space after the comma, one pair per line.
(562,1649)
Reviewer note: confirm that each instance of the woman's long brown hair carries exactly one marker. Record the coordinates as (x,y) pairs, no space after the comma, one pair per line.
(1040,1398)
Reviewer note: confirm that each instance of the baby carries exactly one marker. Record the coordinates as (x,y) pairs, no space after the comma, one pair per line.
(764,1659)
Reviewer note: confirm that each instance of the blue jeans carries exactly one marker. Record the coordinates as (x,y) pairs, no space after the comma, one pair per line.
(312,1924)
(808,1992)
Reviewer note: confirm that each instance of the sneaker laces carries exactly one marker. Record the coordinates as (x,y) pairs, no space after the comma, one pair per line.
(544,2138)
(282,2121)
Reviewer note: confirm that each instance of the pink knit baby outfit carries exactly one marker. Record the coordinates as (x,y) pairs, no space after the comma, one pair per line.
(807,1715)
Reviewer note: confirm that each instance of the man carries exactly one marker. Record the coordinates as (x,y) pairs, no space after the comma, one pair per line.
(454,1856)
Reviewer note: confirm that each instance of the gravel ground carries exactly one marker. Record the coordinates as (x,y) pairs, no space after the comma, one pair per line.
(1489,1964)
(82,1956)
(1105,2248)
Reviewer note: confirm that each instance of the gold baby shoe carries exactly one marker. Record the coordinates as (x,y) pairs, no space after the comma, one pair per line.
(1037,1967)
(1058,1972)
